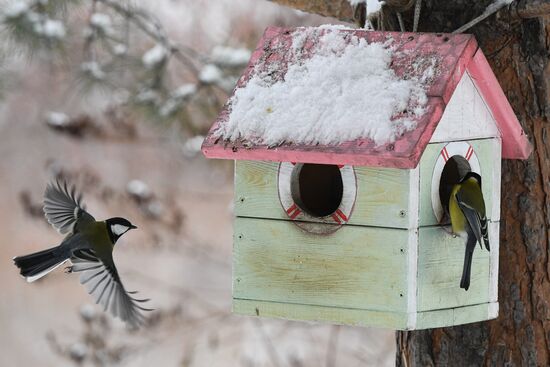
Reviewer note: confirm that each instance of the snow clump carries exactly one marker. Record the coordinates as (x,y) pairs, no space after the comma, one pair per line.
(345,91)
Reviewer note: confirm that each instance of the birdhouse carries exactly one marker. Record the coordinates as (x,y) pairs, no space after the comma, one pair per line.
(346,145)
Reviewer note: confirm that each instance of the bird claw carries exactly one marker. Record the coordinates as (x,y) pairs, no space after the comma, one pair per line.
(68,269)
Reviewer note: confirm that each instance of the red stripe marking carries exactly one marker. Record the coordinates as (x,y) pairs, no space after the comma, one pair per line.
(469,153)
(295,214)
(342,215)
(291,209)
(445,154)
(335,217)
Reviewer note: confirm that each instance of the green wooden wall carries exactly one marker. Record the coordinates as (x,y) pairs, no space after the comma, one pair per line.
(440,261)
(356,267)
(382,194)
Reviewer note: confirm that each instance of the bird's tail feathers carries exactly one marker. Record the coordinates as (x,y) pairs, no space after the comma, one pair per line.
(35,266)
(467,268)
(485,233)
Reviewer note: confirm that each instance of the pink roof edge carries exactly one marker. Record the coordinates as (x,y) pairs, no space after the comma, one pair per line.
(515,144)
(460,54)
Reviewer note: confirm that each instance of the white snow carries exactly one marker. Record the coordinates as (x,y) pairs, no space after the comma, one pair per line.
(169,107)
(345,91)
(120,49)
(147,95)
(93,69)
(53,29)
(139,190)
(57,119)
(372,5)
(230,57)
(88,312)
(49,28)
(78,351)
(185,91)
(210,74)
(102,22)
(154,56)
(177,98)
(192,146)
(16,9)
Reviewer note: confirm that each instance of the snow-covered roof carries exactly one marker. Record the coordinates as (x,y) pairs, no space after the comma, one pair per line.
(346,96)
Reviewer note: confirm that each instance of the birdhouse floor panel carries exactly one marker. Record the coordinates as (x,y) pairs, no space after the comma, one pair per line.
(456,316)
(355,267)
(370,318)
(382,194)
(336,315)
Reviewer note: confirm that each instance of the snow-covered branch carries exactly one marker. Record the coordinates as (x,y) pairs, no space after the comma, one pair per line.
(126,49)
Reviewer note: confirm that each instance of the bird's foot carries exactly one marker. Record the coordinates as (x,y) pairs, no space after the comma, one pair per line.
(68,269)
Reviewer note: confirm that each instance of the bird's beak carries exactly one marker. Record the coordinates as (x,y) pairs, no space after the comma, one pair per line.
(133,227)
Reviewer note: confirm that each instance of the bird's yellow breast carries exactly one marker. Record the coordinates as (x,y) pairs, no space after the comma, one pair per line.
(458,220)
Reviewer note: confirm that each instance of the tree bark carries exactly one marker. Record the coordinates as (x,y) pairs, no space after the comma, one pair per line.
(518,52)
(530,8)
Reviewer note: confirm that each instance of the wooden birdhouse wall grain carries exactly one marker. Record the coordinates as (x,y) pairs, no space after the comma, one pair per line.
(357,233)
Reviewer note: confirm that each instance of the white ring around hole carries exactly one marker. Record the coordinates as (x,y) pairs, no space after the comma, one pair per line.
(460,148)
(311,223)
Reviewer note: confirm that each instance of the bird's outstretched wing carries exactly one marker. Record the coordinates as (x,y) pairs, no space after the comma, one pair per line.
(103,283)
(63,208)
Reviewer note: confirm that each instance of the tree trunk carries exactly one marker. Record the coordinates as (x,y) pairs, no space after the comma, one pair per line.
(518,51)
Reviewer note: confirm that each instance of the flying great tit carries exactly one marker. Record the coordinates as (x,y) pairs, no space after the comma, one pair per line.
(468,220)
(89,246)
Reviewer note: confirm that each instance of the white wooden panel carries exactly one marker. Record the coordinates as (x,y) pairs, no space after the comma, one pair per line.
(496,184)
(414,209)
(466,116)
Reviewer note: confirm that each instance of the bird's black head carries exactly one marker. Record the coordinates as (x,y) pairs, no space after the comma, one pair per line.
(117,226)
(473,175)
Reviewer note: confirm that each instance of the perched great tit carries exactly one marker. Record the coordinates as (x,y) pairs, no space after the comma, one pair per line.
(89,246)
(467,212)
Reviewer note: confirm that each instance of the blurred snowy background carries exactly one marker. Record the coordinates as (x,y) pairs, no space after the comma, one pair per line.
(117,102)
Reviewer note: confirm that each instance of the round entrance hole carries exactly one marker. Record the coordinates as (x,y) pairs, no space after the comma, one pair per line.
(317,188)
(454,170)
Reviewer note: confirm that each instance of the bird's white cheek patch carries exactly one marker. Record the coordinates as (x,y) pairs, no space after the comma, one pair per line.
(119,229)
